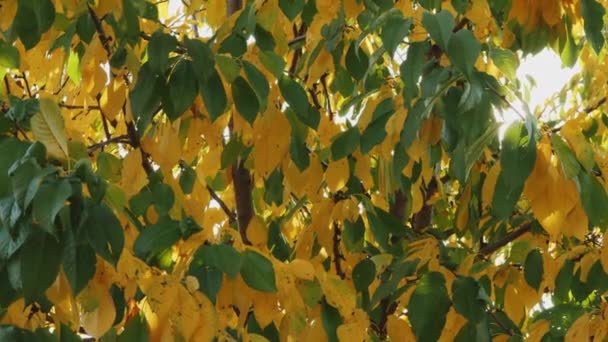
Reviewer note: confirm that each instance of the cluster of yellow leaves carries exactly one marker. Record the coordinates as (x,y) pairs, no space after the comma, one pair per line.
(553,197)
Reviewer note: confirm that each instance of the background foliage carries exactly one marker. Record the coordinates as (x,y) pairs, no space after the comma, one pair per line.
(300,170)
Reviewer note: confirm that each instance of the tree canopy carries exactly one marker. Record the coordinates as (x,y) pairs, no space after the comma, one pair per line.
(287,170)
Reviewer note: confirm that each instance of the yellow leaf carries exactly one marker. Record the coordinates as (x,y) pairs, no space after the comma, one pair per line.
(398,329)
(337,174)
(579,330)
(462,214)
(257,233)
(97,310)
(302,269)
(538,330)
(133,175)
(48,128)
(489,185)
(354,332)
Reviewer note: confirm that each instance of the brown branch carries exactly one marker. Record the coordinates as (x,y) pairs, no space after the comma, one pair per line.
(397,208)
(423,218)
(326,93)
(336,249)
(296,40)
(229,213)
(122,139)
(67,106)
(243,184)
(493,247)
(103,37)
(7,85)
(596,106)
(27,85)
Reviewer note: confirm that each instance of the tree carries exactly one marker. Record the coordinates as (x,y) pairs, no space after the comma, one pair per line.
(304,169)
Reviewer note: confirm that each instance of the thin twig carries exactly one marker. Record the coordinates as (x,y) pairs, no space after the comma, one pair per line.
(103,37)
(336,250)
(500,324)
(7,85)
(493,247)
(27,85)
(68,106)
(327,99)
(104,121)
(216,197)
(122,139)
(296,40)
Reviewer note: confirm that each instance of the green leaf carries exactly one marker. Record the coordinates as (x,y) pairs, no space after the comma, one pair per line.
(259,83)
(364,274)
(182,90)
(296,97)
(49,199)
(9,56)
(533,269)
(221,256)
(104,233)
(345,143)
(34,18)
(593,14)
(146,96)
(67,335)
(79,262)
(563,281)
(214,94)
(506,61)
(291,8)
(156,238)
(159,47)
(229,67)
(40,259)
(48,128)
(331,319)
(428,307)
(518,154)
(439,26)
(594,199)
(356,61)
(202,59)
(353,235)
(187,179)
(567,158)
(411,69)
(505,196)
(465,294)
(299,153)
(375,132)
(394,32)
(273,188)
(257,272)
(460,5)
(109,167)
(463,50)
(136,330)
(209,279)
(245,99)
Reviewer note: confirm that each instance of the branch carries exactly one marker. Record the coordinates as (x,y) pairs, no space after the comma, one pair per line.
(229,213)
(67,106)
(27,85)
(103,37)
(296,40)
(491,248)
(243,184)
(7,85)
(122,139)
(326,93)
(422,219)
(336,250)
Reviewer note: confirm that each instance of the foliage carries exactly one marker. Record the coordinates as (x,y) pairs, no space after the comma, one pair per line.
(304,169)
